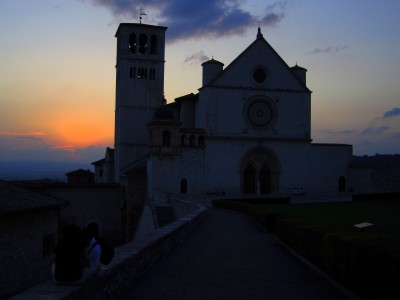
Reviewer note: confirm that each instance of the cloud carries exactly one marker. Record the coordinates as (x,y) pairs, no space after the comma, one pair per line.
(198,57)
(21,138)
(69,149)
(375,131)
(330,49)
(339,132)
(23,134)
(189,19)
(394,112)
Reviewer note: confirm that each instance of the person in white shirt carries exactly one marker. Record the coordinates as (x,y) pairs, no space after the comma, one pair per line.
(92,247)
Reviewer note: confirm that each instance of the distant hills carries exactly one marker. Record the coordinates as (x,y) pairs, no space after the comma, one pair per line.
(56,170)
(34,170)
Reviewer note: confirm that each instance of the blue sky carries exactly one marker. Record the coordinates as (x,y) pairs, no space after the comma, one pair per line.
(57,72)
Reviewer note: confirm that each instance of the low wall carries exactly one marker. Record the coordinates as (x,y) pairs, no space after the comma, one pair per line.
(130,263)
(182,207)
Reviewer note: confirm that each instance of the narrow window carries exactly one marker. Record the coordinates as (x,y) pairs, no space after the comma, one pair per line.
(132,43)
(184,185)
(201,140)
(166,138)
(153,44)
(133,72)
(151,75)
(342,184)
(143,44)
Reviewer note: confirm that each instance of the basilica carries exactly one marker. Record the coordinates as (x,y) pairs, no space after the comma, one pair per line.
(246,131)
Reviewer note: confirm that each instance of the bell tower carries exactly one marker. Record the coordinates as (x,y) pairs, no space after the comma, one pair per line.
(139,89)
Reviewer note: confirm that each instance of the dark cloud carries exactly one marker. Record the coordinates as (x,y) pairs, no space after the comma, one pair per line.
(198,57)
(31,138)
(375,131)
(195,19)
(394,112)
(330,49)
(369,131)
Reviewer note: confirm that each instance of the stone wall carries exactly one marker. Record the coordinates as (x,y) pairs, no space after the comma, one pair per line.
(130,263)
(26,243)
(92,203)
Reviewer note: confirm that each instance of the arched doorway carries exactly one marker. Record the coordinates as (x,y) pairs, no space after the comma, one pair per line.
(249,180)
(260,169)
(265,179)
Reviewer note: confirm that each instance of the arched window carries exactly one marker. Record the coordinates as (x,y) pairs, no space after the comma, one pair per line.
(192,140)
(183,140)
(132,43)
(166,141)
(153,44)
(142,43)
(201,140)
(184,185)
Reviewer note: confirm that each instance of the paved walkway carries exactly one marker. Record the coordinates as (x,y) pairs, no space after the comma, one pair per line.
(228,256)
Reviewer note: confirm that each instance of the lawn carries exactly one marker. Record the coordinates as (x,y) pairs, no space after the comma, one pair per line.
(341,216)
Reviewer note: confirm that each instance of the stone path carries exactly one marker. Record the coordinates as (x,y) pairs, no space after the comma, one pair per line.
(228,256)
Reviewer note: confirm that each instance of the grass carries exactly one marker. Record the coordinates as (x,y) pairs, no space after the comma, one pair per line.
(341,217)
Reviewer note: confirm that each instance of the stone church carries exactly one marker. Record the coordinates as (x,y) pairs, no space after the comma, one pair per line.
(245,132)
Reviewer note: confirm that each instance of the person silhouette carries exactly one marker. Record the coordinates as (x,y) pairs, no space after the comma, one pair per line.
(72,261)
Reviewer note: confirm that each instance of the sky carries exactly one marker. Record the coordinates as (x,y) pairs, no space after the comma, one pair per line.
(57,67)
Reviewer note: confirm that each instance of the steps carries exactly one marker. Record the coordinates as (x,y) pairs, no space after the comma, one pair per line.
(165,215)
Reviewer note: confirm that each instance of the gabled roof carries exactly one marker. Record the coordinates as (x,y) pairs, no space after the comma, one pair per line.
(98,162)
(260,39)
(188,97)
(14,200)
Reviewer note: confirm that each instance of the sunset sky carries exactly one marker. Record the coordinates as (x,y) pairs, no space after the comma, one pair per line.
(57,67)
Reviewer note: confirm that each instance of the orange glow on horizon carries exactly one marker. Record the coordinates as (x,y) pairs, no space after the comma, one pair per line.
(82,134)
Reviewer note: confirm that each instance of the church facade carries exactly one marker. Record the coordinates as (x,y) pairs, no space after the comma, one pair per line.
(246,131)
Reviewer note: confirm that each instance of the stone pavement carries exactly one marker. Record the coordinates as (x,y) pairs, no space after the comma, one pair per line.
(228,256)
